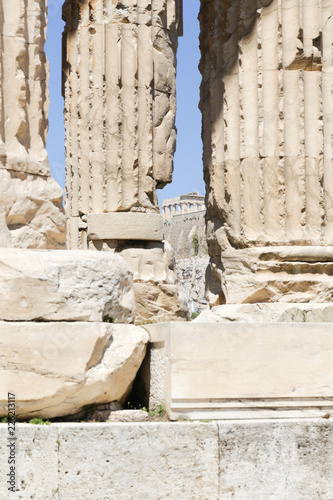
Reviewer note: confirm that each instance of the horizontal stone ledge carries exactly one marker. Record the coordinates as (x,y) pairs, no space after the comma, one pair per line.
(65,285)
(25,164)
(115,461)
(268,312)
(257,460)
(125,226)
(306,253)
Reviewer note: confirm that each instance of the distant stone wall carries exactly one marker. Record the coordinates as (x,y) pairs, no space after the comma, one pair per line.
(186,233)
(191,274)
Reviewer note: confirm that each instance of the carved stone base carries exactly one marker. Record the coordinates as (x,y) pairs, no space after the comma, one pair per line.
(278,274)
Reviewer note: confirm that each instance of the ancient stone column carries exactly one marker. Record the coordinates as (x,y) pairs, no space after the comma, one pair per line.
(267,130)
(31,214)
(120,104)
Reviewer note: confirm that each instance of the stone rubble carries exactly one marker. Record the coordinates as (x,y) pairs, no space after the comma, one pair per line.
(128,416)
(191,274)
(158,296)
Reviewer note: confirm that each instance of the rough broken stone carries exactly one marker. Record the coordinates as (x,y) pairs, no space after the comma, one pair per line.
(269,313)
(128,416)
(66,285)
(191,275)
(54,369)
(102,412)
(31,213)
(159,303)
(157,294)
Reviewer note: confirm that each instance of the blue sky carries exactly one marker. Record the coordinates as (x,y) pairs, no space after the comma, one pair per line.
(187,174)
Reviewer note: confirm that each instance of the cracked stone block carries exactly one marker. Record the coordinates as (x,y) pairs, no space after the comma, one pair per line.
(55,369)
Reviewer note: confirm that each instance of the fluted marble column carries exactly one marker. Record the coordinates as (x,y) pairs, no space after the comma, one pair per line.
(31,214)
(267,125)
(120,104)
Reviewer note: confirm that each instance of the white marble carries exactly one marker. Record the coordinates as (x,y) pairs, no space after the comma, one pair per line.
(243,370)
(54,369)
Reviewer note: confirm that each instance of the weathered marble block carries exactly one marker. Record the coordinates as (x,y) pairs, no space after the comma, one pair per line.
(261,460)
(278,312)
(125,226)
(54,285)
(54,369)
(278,274)
(240,370)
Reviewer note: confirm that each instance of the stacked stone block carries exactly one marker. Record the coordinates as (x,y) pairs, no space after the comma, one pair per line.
(120,105)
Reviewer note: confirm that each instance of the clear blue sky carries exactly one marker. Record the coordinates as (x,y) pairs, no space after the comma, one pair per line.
(187,174)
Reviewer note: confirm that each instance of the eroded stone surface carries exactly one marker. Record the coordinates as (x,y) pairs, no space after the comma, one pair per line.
(54,369)
(269,313)
(31,213)
(65,286)
(266,102)
(37,476)
(278,274)
(161,461)
(120,71)
(157,295)
(277,459)
(227,460)
(128,416)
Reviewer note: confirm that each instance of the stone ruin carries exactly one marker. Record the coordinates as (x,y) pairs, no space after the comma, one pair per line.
(260,361)
(267,138)
(184,204)
(31,213)
(185,230)
(119,69)
(119,87)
